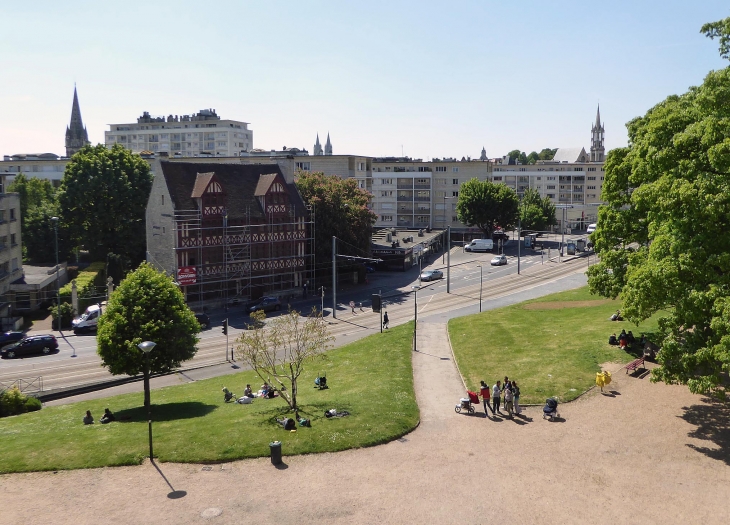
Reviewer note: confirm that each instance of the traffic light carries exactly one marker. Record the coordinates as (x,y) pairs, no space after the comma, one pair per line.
(376,302)
(225,326)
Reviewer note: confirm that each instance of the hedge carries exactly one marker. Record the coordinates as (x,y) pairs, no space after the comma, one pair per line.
(86,283)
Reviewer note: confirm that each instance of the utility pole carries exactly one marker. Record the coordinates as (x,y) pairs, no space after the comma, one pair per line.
(321,309)
(448,260)
(334,277)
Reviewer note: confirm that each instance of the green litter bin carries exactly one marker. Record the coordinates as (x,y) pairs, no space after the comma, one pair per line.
(275,448)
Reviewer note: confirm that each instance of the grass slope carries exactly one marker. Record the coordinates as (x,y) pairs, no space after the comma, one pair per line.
(552,346)
(371,378)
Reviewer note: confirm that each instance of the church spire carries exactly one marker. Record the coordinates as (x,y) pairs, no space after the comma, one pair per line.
(597,131)
(76,135)
(318,147)
(328,146)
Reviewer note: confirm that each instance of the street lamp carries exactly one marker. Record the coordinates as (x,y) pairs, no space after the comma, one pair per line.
(445,221)
(415,316)
(562,225)
(58,279)
(147,347)
(481,273)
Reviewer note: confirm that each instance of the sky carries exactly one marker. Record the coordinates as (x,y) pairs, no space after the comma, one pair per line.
(426,79)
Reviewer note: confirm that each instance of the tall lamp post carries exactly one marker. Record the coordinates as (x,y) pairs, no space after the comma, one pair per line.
(443,258)
(58,278)
(147,347)
(415,316)
(481,274)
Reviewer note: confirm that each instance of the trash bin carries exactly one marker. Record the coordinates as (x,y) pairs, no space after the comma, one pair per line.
(275,452)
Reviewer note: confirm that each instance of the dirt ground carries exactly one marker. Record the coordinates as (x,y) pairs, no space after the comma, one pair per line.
(643,453)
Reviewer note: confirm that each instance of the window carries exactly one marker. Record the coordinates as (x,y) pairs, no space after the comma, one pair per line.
(454,181)
(304,166)
(12,239)
(590,187)
(360,166)
(551,178)
(454,218)
(15,263)
(539,178)
(424,168)
(591,169)
(455,169)
(592,178)
(12,214)
(454,193)
(577,169)
(550,195)
(386,181)
(2,215)
(421,181)
(386,193)
(422,219)
(551,186)
(497,178)
(440,168)
(386,218)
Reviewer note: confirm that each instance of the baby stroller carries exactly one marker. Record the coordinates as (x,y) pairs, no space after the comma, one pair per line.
(467,403)
(321,382)
(550,410)
(228,395)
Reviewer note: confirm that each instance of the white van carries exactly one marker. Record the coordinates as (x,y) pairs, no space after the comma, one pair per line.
(87,321)
(591,228)
(480,245)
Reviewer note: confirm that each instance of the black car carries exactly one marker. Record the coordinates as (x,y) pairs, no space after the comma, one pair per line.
(204,320)
(34,344)
(267,304)
(10,337)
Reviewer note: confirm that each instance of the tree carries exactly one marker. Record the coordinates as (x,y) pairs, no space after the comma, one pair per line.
(720,30)
(281,350)
(146,306)
(103,198)
(547,154)
(33,192)
(487,205)
(536,213)
(663,236)
(340,210)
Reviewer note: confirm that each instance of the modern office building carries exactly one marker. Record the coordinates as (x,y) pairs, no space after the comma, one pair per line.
(203,134)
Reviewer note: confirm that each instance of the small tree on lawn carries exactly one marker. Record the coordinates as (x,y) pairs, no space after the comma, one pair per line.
(280,350)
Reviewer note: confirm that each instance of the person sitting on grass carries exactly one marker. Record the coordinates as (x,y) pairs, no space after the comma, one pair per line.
(287,423)
(108,417)
(612,339)
(88,418)
(248,392)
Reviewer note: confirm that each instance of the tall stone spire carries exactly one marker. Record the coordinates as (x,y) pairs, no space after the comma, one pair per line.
(328,146)
(76,135)
(484,154)
(598,152)
(318,147)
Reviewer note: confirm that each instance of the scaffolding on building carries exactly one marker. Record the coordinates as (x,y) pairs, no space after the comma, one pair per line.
(243,260)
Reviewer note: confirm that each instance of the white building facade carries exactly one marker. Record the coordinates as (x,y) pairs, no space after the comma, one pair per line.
(201,134)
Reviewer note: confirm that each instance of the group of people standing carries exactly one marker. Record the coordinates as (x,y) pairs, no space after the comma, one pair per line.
(507,390)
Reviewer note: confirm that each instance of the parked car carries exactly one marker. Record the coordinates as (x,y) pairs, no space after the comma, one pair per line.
(267,304)
(204,320)
(591,228)
(432,275)
(10,337)
(33,344)
(235,301)
(499,260)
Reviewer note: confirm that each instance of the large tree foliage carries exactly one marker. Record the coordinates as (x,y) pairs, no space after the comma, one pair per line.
(340,209)
(103,197)
(487,206)
(663,236)
(279,352)
(533,157)
(146,306)
(38,204)
(537,213)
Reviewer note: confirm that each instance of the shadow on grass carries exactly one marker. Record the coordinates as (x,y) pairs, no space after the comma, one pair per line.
(712,420)
(166,412)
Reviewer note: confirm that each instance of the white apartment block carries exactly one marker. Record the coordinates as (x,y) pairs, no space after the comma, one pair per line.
(203,134)
(42,165)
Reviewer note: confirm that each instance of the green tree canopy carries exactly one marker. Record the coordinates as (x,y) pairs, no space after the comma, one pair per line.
(146,306)
(38,204)
(663,235)
(536,213)
(103,198)
(340,209)
(533,157)
(33,192)
(487,205)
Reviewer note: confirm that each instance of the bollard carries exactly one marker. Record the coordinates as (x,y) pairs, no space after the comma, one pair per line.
(275,448)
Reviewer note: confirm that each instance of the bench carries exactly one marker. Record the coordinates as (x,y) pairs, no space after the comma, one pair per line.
(636,363)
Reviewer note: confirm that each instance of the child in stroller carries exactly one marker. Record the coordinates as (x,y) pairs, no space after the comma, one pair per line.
(466,403)
(228,395)
(550,410)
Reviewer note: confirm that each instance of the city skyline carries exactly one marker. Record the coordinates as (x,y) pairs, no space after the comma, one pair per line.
(382,79)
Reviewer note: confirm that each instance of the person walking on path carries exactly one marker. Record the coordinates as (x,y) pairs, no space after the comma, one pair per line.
(506,385)
(508,401)
(516,394)
(496,392)
(385,320)
(352,305)
(484,392)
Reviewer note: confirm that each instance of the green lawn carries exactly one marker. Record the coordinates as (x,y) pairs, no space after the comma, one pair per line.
(371,378)
(552,346)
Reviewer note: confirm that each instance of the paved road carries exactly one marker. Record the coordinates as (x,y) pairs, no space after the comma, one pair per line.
(61,370)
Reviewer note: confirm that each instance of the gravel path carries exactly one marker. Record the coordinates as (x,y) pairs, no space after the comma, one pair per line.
(650,453)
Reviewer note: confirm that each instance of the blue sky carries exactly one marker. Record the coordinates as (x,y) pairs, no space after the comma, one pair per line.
(431,79)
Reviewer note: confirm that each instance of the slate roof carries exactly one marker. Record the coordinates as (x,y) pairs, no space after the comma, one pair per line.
(570,155)
(239,182)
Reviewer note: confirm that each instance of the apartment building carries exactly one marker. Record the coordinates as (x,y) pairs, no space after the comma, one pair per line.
(200,134)
(11,252)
